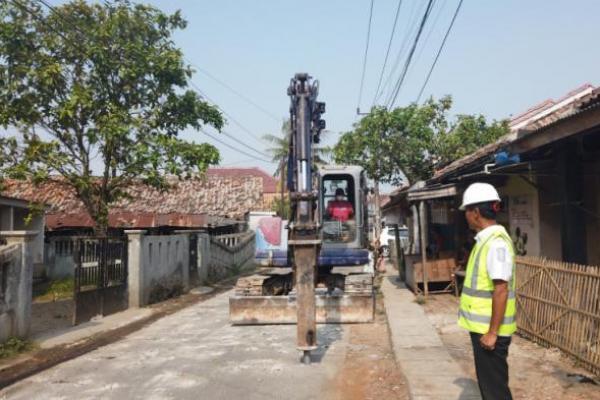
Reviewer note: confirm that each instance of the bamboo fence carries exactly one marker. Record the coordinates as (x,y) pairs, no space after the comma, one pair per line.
(558,305)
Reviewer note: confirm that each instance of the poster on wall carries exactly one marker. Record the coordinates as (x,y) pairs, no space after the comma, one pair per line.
(521,221)
(521,211)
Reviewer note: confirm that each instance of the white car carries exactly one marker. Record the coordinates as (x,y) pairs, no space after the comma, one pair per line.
(388,233)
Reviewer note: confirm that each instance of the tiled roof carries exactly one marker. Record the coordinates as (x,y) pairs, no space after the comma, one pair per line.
(269,183)
(549,107)
(214,195)
(128,220)
(567,110)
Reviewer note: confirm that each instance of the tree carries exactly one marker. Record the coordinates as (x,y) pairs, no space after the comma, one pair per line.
(412,142)
(98,86)
(280,150)
(469,133)
(369,145)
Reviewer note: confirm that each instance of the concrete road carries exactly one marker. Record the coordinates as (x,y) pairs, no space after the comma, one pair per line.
(195,354)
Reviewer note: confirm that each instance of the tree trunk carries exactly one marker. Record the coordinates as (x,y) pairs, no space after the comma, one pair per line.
(283,173)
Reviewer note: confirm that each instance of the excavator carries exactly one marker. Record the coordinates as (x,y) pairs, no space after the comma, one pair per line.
(317,268)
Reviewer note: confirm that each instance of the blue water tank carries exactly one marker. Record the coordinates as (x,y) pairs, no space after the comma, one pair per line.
(505,158)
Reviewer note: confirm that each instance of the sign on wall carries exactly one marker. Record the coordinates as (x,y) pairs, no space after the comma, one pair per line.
(521,221)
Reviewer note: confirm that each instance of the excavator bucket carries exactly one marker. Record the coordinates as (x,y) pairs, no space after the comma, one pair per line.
(355,304)
(258,310)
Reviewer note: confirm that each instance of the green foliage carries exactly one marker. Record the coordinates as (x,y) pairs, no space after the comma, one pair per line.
(14,346)
(414,140)
(279,150)
(59,289)
(62,289)
(103,83)
(369,145)
(282,207)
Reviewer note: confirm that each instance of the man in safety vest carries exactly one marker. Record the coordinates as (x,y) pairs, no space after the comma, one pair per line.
(487,302)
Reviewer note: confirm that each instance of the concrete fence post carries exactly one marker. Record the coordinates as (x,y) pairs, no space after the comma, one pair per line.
(135,265)
(24,278)
(204,256)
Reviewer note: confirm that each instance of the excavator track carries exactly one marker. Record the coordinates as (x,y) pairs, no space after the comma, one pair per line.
(354,303)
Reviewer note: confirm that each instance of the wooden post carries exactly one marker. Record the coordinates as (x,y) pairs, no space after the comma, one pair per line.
(399,253)
(423,231)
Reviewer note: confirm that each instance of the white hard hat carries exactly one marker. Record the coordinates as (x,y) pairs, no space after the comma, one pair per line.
(479,193)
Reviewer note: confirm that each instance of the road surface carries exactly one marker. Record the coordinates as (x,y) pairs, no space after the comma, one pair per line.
(195,354)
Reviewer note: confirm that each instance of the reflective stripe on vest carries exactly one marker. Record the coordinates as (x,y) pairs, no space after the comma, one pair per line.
(475,311)
(484,294)
(484,319)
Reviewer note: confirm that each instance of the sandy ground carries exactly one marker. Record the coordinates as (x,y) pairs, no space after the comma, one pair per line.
(536,373)
(48,316)
(370,370)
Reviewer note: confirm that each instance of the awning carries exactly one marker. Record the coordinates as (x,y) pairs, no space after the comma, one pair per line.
(436,192)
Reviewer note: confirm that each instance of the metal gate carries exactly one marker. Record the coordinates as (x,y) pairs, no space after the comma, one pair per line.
(100,277)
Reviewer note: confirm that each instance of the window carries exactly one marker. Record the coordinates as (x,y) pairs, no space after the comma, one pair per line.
(338,208)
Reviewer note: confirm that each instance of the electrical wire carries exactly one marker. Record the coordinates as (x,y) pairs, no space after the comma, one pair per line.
(233,120)
(387,53)
(53,10)
(400,81)
(216,139)
(237,93)
(439,51)
(410,28)
(364,68)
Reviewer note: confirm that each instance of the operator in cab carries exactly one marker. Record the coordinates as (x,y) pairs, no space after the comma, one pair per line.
(340,209)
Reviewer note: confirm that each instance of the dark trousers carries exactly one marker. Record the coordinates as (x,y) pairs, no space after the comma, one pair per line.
(492,368)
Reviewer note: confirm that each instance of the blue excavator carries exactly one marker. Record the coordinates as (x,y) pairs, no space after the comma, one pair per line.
(317,268)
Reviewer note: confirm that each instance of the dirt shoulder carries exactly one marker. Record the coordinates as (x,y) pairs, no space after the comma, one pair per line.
(369,370)
(536,373)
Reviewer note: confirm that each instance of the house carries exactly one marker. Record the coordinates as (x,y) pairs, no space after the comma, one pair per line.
(547,171)
(215,199)
(16,216)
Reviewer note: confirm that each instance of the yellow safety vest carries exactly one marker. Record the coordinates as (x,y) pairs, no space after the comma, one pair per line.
(475,312)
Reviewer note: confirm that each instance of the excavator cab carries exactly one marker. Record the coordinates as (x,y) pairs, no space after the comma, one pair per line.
(343,205)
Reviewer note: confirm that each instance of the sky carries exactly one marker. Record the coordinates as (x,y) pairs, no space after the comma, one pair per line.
(501,57)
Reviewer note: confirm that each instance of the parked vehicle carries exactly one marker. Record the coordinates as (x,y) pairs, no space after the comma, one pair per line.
(388,233)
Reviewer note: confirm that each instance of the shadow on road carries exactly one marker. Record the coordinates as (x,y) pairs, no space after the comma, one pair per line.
(327,335)
(470,389)
(395,280)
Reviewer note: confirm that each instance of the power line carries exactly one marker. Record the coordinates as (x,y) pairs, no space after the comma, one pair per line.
(240,95)
(53,10)
(235,148)
(239,124)
(362,79)
(440,50)
(387,53)
(431,29)
(228,87)
(412,14)
(410,56)
(233,120)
